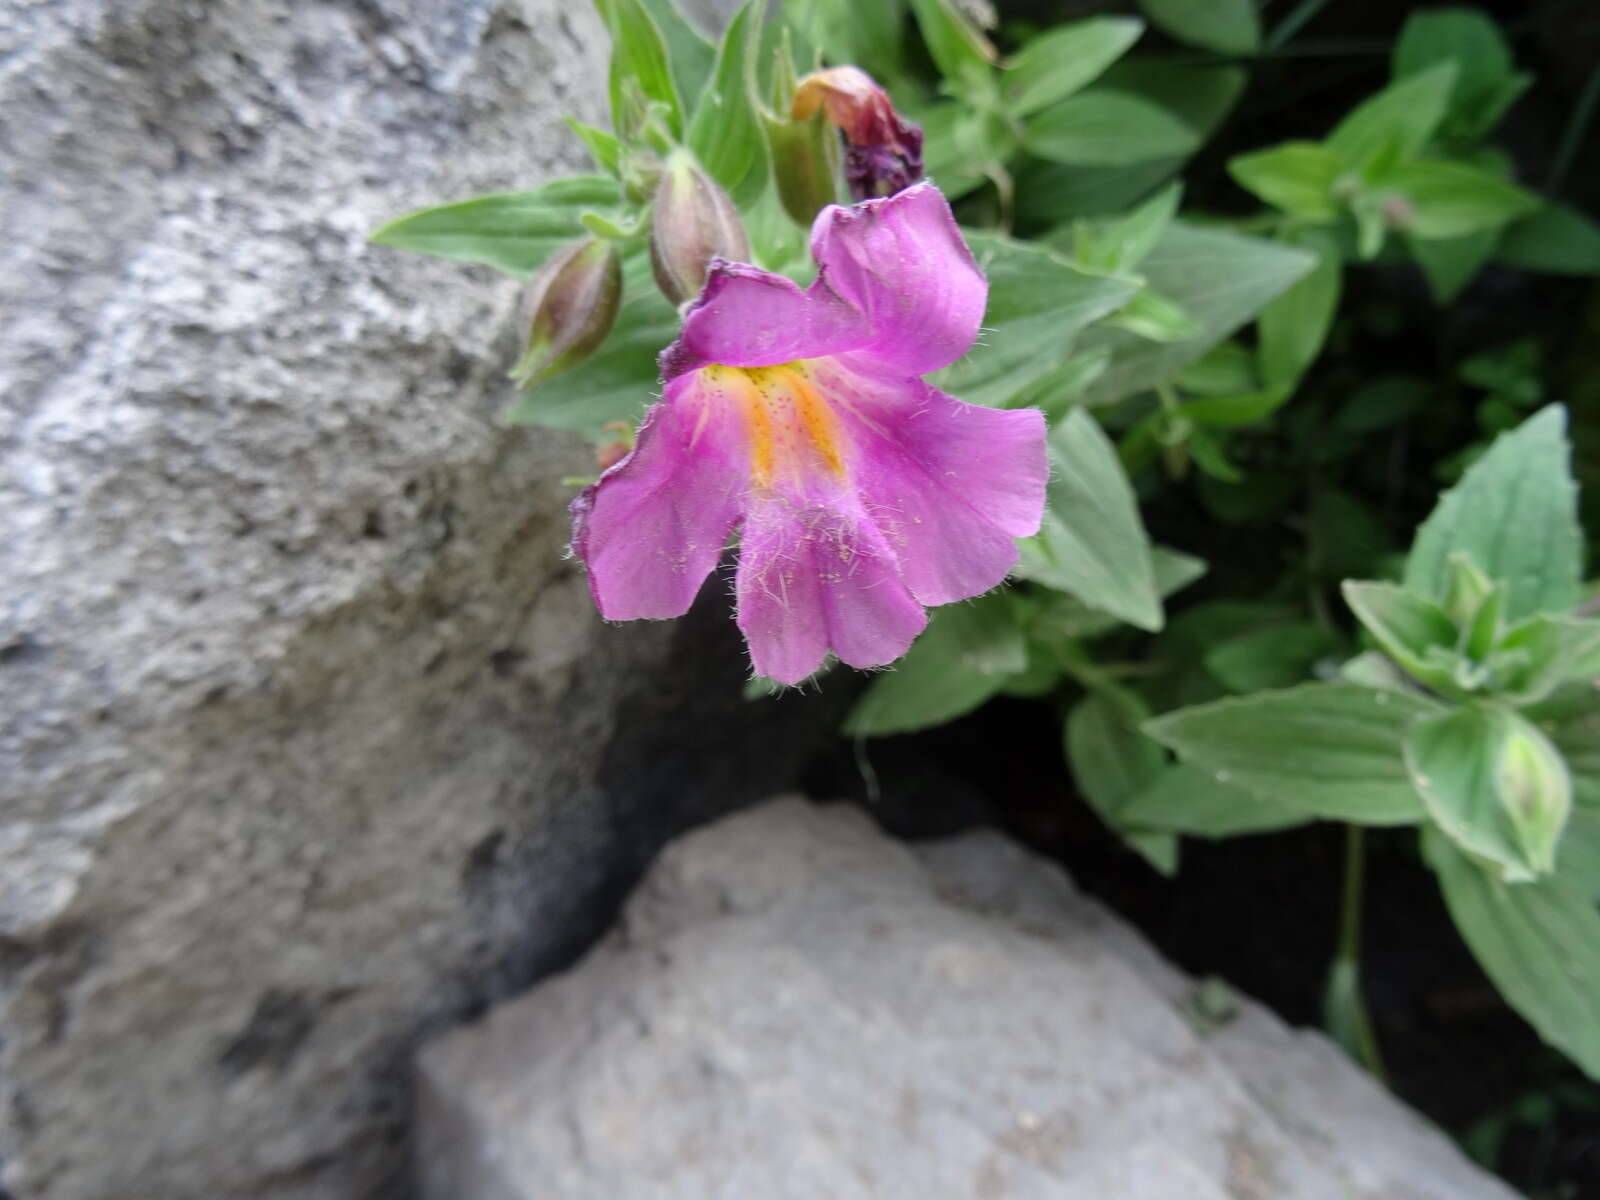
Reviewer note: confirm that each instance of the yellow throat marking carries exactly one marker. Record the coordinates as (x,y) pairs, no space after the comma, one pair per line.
(787,420)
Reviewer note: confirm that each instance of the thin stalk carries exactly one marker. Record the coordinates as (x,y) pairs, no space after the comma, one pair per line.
(1348,1018)
(1294,22)
(1572,135)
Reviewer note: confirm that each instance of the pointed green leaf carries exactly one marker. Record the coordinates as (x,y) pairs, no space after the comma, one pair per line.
(1106,128)
(639,57)
(1189,800)
(512,231)
(1449,264)
(1220,280)
(1064,59)
(1330,750)
(1226,26)
(1395,124)
(966,655)
(725,133)
(1515,513)
(1406,625)
(1112,762)
(1556,239)
(958,47)
(1275,657)
(1486,78)
(1037,304)
(1539,943)
(1093,544)
(1450,199)
(1293,327)
(1297,177)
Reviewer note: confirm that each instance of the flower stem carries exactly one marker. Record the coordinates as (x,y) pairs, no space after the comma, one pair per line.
(1345,1011)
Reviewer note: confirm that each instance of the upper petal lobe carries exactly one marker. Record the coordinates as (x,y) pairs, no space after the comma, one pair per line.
(903,263)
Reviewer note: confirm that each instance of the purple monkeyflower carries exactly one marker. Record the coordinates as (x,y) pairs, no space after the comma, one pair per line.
(862,493)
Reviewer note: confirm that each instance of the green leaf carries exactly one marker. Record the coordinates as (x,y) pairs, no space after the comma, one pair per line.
(1486,79)
(512,231)
(621,378)
(1556,239)
(1578,856)
(1276,657)
(957,46)
(1395,124)
(1406,625)
(605,148)
(1065,616)
(1450,199)
(1577,736)
(1219,279)
(1539,943)
(965,655)
(1465,765)
(1059,388)
(639,56)
(725,134)
(1037,304)
(1227,369)
(1226,26)
(1111,760)
(846,31)
(1188,800)
(1153,316)
(1515,513)
(1297,177)
(1054,65)
(1451,263)
(1543,652)
(689,52)
(1330,750)
(1092,543)
(1294,326)
(1106,128)
(1117,245)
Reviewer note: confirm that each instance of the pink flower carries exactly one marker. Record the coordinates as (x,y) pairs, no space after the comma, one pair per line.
(863,494)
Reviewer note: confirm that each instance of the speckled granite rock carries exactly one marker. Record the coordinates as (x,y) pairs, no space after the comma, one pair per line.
(795,1006)
(309,738)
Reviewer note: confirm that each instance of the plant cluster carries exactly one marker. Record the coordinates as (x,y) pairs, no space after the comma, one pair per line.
(1180,357)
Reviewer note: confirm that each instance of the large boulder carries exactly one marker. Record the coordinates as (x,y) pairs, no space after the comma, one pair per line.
(310,739)
(795,1006)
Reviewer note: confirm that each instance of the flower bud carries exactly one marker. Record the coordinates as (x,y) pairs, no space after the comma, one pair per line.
(693,222)
(1534,790)
(883,151)
(569,308)
(805,152)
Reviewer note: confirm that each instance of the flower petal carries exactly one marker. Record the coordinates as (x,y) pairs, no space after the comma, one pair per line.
(951,485)
(653,526)
(902,262)
(818,576)
(747,317)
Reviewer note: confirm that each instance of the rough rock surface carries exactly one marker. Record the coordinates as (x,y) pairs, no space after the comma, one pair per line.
(309,738)
(795,1006)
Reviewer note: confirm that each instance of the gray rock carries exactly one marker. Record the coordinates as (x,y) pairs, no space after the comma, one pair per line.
(795,1006)
(310,739)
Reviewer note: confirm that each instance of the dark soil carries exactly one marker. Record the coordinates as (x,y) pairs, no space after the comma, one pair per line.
(1261,913)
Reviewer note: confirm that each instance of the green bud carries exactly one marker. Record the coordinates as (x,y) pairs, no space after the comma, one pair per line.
(569,307)
(693,221)
(1534,790)
(1467,589)
(806,156)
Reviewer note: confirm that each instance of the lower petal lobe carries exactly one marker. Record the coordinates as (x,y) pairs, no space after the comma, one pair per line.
(950,485)
(815,574)
(654,526)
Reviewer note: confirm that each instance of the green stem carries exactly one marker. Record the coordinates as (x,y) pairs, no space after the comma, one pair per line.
(1358,1028)
(1294,22)
(1572,135)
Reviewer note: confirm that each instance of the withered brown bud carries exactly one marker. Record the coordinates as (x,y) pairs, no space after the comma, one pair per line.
(569,308)
(883,150)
